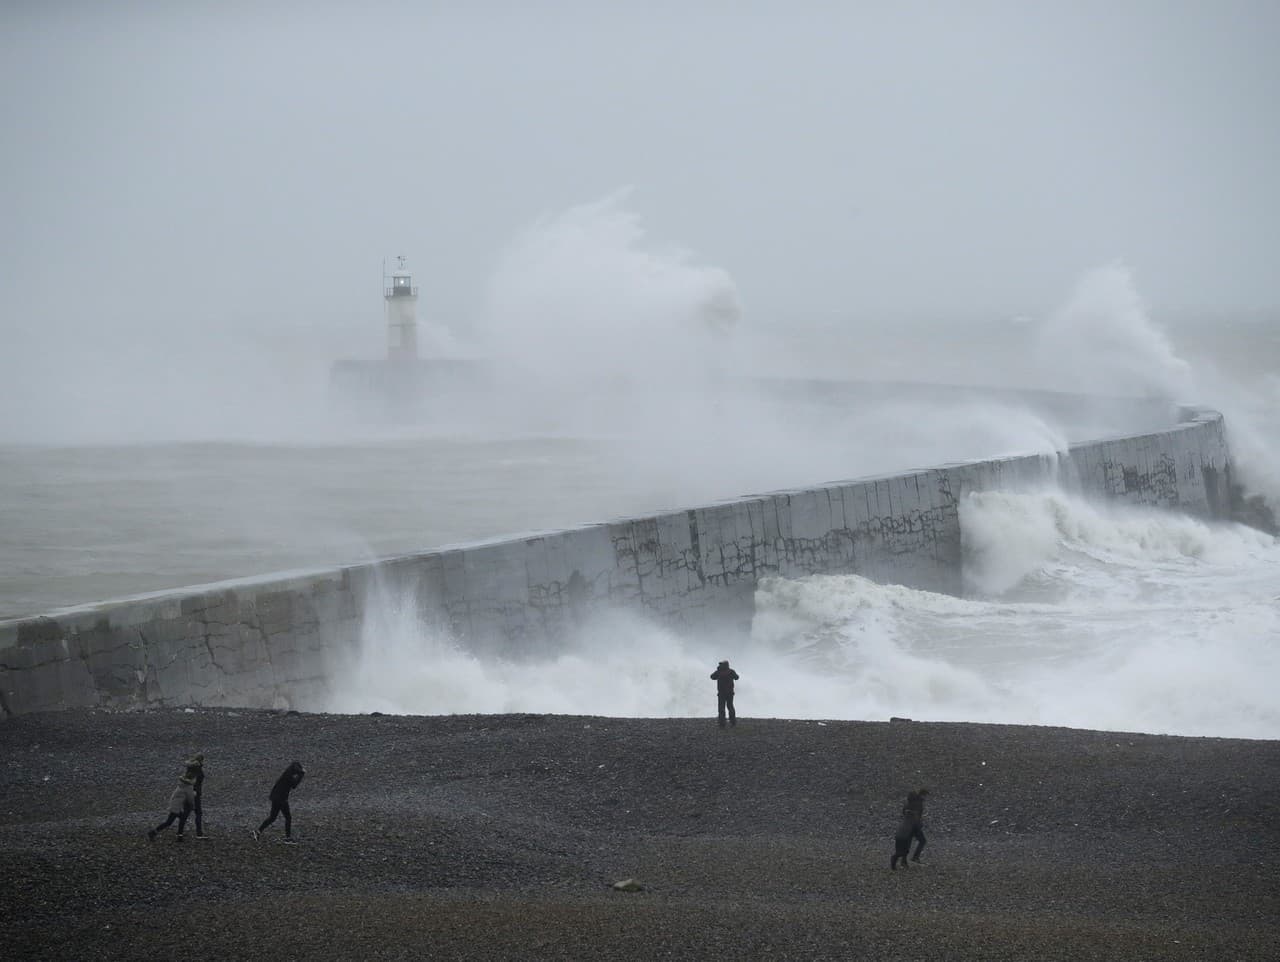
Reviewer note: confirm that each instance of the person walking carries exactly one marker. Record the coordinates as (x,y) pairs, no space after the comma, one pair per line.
(195,772)
(724,677)
(902,840)
(180,804)
(914,811)
(285,784)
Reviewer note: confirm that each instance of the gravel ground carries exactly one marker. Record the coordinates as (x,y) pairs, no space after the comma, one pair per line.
(498,837)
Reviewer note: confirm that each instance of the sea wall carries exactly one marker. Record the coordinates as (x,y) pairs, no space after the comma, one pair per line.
(286,641)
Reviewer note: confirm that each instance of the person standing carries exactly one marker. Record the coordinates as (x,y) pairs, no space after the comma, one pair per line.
(285,784)
(724,677)
(914,811)
(195,772)
(180,804)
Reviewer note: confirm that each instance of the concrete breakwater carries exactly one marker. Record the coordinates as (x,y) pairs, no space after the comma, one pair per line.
(286,641)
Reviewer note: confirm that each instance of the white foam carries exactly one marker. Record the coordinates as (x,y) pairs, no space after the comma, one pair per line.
(1135,620)
(1104,340)
(1008,535)
(619,665)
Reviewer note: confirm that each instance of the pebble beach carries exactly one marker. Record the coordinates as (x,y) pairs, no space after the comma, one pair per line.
(502,837)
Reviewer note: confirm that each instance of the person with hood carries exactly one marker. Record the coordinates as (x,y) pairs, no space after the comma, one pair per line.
(724,677)
(180,804)
(285,784)
(195,772)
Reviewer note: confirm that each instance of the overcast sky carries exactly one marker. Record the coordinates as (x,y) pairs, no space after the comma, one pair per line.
(221,164)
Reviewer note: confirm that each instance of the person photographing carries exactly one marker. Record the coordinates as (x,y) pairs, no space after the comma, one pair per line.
(724,677)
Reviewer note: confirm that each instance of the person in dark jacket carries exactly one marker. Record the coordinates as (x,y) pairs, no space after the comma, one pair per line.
(181,802)
(195,772)
(914,810)
(285,784)
(902,840)
(724,677)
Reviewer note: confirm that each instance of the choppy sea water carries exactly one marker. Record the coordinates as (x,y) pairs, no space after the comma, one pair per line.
(1075,615)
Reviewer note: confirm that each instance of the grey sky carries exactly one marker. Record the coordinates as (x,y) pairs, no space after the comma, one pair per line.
(219,164)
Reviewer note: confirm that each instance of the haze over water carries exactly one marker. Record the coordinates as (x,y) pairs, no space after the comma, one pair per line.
(191,244)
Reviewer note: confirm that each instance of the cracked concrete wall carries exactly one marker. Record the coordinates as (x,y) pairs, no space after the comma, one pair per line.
(287,642)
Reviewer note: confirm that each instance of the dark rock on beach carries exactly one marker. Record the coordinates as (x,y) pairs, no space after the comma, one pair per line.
(502,837)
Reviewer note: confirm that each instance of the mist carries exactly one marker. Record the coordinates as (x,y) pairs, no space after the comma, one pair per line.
(196,199)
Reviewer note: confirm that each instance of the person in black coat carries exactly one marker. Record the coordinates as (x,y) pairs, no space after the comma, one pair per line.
(724,677)
(195,772)
(913,811)
(902,840)
(285,784)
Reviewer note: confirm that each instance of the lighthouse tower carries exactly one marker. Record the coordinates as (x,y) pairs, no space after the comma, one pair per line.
(402,313)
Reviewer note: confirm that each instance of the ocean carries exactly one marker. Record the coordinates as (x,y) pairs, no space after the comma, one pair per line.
(1076,614)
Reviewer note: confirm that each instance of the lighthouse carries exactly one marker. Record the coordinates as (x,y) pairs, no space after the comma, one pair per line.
(402,313)
(404,385)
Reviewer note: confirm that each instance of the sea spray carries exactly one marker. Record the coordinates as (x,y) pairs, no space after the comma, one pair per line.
(1104,341)
(1130,619)
(612,663)
(599,330)
(594,327)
